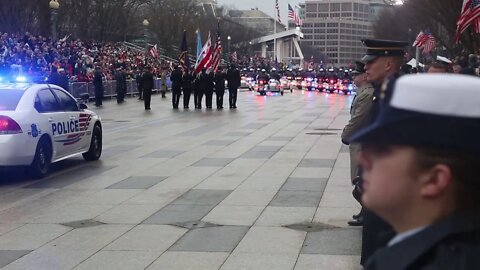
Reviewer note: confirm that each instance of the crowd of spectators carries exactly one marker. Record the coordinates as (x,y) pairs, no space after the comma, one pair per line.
(39,56)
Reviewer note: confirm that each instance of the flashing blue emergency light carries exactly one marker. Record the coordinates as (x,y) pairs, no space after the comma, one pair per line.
(350,87)
(21,79)
(1,79)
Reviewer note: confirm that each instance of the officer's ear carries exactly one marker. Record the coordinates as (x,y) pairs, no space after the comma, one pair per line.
(435,181)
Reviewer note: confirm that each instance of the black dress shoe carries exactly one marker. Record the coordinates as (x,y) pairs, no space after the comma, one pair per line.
(359,215)
(356,222)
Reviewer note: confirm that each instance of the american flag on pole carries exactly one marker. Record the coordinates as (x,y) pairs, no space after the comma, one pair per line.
(234,56)
(429,44)
(420,40)
(294,16)
(426,41)
(217,52)
(277,7)
(154,51)
(470,14)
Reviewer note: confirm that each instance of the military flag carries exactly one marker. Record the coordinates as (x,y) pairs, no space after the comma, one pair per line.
(184,60)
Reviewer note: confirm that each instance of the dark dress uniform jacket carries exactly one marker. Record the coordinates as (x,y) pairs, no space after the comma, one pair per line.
(187,82)
(233,78)
(205,83)
(220,82)
(451,244)
(147,81)
(176,78)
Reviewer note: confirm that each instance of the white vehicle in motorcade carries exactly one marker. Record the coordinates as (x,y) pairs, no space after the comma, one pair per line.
(263,87)
(41,124)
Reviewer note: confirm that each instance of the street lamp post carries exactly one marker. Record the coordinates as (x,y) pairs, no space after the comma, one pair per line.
(249,50)
(145,23)
(229,55)
(54,6)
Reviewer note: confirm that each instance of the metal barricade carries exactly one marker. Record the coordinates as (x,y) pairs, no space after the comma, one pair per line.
(109,88)
(78,88)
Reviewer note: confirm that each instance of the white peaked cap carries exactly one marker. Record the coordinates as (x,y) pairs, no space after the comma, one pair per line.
(440,94)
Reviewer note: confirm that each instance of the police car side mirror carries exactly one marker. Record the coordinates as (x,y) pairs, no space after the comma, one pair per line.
(83,106)
(84,96)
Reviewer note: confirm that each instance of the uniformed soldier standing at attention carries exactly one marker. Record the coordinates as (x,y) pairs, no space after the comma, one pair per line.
(420,162)
(148,85)
(187,85)
(234,81)
(208,88)
(382,64)
(360,117)
(203,82)
(219,79)
(176,78)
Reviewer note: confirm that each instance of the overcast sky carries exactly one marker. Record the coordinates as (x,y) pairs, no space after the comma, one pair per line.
(268,6)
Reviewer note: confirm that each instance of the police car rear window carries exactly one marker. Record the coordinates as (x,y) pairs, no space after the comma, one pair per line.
(9,99)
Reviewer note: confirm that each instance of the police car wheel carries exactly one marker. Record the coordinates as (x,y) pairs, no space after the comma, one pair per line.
(95,150)
(43,157)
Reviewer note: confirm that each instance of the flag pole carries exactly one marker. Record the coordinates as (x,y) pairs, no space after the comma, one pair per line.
(417,57)
(274,37)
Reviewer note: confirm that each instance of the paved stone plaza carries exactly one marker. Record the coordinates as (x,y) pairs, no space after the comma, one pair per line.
(263,187)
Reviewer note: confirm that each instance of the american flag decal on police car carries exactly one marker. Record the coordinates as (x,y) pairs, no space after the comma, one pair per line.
(83,123)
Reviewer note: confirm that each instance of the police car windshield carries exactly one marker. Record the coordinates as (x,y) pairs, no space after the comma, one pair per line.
(9,99)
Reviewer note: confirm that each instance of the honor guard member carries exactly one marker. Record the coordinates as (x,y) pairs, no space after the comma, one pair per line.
(233,82)
(420,168)
(383,60)
(360,117)
(148,85)
(187,86)
(209,86)
(176,78)
(204,83)
(197,93)
(220,78)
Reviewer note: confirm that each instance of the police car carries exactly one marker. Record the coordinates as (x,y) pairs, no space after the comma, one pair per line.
(41,124)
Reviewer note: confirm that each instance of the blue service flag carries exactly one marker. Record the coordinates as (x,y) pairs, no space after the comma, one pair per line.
(199,43)
(184,59)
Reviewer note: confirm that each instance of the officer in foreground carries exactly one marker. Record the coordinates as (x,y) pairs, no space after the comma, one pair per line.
(420,168)
(383,60)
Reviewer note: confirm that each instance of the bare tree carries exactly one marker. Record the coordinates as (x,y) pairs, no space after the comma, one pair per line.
(437,16)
